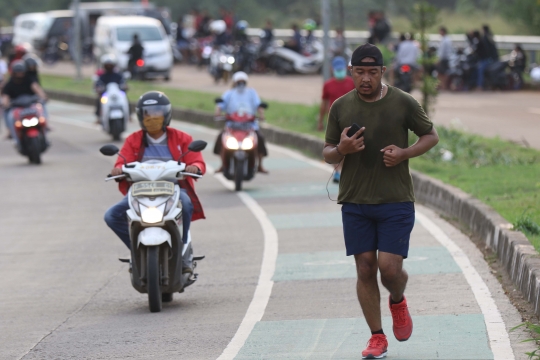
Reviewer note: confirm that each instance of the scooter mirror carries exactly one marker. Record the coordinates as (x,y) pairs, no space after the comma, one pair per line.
(197,146)
(109,150)
(263,105)
(218,100)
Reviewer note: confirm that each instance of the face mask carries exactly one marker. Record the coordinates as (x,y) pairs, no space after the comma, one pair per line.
(153,124)
(241,86)
(340,74)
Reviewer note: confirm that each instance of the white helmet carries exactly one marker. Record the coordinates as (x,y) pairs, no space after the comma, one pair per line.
(218,27)
(108,59)
(239,76)
(535,75)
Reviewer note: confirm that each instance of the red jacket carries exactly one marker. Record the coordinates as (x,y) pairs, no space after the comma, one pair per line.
(178,141)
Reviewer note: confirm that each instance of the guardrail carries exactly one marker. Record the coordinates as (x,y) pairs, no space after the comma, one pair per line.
(355,38)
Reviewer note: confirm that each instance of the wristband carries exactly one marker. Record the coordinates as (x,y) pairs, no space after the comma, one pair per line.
(337,150)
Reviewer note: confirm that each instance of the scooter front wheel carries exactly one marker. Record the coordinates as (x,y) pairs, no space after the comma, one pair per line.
(238,175)
(34,151)
(153,279)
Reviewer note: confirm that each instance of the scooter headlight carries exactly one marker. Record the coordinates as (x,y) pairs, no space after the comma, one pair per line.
(104,99)
(230,60)
(151,215)
(223,59)
(247,144)
(232,143)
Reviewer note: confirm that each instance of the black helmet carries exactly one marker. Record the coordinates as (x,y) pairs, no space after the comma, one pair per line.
(31,61)
(154,102)
(18,66)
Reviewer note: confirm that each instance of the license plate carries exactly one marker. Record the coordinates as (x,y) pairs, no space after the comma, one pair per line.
(152,188)
(117,114)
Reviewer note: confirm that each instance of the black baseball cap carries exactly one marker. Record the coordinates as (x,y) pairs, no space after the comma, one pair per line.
(364,51)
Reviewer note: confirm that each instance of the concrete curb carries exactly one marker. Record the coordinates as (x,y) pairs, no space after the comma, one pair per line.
(520,259)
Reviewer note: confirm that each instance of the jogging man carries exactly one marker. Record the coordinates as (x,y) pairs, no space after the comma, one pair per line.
(376,190)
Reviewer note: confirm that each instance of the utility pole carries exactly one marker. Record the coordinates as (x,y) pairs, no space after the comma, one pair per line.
(77,42)
(341,15)
(326,16)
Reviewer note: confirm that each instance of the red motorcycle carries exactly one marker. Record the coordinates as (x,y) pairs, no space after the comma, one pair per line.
(30,127)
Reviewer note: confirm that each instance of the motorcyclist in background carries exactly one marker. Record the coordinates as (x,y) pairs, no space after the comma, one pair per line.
(219,29)
(135,53)
(18,84)
(309,25)
(157,141)
(242,99)
(109,75)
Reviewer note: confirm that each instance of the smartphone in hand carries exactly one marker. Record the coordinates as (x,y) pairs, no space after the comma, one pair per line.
(353,130)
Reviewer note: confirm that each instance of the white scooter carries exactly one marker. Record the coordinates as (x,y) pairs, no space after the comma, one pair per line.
(287,61)
(114,110)
(158,254)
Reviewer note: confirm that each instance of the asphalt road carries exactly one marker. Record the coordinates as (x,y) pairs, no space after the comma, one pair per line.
(275,283)
(509,115)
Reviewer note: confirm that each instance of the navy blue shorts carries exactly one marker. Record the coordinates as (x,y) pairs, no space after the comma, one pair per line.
(383,227)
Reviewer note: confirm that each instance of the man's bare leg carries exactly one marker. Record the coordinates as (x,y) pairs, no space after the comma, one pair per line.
(393,276)
(367,288)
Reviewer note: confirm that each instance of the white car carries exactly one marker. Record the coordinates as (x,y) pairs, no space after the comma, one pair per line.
(30,28)
(114,35)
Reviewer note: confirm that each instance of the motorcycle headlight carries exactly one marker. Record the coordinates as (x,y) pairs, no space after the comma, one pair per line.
(30,122)
(231,143)
(104,99)
(230,60)
(247,144)
(223,58)
(151,215)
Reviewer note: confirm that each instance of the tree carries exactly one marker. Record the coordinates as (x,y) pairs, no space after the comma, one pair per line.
(425,16)
(526,12)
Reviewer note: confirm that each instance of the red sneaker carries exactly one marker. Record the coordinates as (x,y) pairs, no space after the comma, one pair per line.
(377,347)
(401,317)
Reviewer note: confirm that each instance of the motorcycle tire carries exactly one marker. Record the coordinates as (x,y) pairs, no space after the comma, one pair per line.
(153,282)
(115,130)
(238,175)
(166,297)
(33,147)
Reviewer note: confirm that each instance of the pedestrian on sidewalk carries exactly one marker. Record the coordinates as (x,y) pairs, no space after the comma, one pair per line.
(376,190)
(333,89)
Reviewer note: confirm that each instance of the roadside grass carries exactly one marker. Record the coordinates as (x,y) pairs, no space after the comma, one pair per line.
(502,174)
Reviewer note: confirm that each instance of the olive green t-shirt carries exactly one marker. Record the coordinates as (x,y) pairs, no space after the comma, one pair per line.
(364,178)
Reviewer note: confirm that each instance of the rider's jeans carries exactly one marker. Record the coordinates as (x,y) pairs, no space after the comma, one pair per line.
(10,123)
(116,218)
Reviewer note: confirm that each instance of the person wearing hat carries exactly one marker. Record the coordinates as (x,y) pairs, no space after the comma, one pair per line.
(242,98)
(375,189)
(333,89)
(157,141)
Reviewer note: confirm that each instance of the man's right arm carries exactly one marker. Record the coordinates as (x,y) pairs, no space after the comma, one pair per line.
(333,154)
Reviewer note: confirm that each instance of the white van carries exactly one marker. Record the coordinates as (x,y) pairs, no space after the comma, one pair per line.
(30,28)
(114,35)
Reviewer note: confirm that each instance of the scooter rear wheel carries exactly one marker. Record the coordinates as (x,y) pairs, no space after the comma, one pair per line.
(153,279)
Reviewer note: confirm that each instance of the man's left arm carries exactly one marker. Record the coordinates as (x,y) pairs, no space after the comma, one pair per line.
(420,124)
(38,91)
(394,155)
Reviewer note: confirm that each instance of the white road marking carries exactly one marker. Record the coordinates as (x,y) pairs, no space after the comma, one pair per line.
(263,290)
(498,336)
